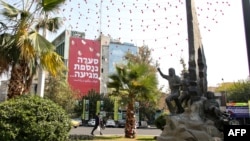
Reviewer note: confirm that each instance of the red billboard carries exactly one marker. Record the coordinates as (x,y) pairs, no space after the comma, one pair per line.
(84,65)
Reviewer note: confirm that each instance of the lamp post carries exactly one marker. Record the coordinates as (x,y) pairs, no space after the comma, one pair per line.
(224,92)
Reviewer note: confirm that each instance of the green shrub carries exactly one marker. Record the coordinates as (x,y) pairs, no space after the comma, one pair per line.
(160,122)
(32,118)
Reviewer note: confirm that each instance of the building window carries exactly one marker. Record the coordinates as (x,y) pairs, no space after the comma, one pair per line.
(60,49)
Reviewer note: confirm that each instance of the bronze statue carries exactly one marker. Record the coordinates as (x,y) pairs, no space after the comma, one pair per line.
(211,106)
(212,110)
(174,84)
(185,96)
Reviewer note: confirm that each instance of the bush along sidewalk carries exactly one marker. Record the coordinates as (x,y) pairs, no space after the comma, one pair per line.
(32,118)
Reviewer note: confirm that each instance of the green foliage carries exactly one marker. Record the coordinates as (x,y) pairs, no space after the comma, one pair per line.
(25,48)
(145,69)
(137,79)
(32,118)
(134,81)
(160,122)
(58,90)
(183,66)
(93,97)
(237,91)
(223,87)
(147,111)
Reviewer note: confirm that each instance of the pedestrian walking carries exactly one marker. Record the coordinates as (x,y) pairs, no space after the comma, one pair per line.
(97,124)
(102,125)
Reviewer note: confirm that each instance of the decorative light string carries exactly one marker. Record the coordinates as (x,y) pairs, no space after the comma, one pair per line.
(161,25)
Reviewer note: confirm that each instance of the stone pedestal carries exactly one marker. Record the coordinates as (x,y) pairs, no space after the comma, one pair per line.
(190,126)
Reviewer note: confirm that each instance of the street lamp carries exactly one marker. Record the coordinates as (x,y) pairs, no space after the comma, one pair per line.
(224,92)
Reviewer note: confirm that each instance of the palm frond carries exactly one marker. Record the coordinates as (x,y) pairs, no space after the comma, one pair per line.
(27,51)
(51,59)
(7,51)
(40,43)
(52,24)
(50,5)
(3,26)
(9,11)
(6,40)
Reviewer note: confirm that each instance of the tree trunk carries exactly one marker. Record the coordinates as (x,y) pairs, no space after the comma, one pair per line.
(19,81)
(130,129)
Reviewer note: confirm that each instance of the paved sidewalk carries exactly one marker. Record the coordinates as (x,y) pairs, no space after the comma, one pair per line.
(83,130)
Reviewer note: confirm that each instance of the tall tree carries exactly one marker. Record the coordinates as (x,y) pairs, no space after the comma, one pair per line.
(133,81)
(58,90)
(147,106)
(236,91)
(22,48)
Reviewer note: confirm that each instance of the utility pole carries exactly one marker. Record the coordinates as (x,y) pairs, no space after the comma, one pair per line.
(41,71)
(246,15)
(197,61)
(41,82)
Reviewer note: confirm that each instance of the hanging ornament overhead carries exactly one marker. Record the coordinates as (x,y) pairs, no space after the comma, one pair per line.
(160,24)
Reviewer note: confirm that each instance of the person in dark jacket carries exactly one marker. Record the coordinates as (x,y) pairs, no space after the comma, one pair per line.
(97,123)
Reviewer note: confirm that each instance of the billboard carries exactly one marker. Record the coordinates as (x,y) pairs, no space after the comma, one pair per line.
(238,109)
(84,65)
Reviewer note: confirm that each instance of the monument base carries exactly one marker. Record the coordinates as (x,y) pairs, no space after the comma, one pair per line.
(190,126)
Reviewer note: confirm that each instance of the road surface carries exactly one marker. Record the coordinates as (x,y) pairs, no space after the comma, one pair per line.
(83,130)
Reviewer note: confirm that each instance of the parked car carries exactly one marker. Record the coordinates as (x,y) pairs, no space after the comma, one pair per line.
(91,122)
(143,124)
(75,123)
(121,123)
(79,120)
(137,125)
(110,123)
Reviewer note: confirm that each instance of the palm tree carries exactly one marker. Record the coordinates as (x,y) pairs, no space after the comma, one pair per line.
(132,82)
(22,48)
(144,56)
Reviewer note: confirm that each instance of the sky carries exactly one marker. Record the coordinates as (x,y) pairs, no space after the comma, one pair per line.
(161,25)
